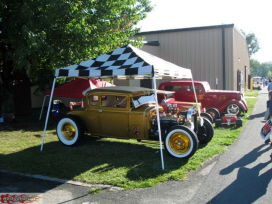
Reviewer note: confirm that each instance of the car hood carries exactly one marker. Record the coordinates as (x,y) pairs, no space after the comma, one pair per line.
(224,91)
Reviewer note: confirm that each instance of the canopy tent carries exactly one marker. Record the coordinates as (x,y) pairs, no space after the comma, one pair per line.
(127,62)
(75,89)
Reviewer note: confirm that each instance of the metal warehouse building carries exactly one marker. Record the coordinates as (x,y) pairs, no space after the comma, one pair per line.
(217,54)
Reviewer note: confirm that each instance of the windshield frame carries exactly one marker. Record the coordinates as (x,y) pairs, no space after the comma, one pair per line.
(143,99)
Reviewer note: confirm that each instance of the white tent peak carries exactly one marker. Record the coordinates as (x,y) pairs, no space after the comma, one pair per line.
(128,62)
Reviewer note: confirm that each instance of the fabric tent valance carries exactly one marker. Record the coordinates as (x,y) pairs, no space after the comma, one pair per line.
(125,62)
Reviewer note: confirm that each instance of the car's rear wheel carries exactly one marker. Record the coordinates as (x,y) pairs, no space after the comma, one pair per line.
(69,130)
(214,113)
(233,109)
(181,142)
(205,133)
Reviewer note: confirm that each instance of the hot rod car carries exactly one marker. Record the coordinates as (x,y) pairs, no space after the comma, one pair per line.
(167,100)
(131,113)
(225,101)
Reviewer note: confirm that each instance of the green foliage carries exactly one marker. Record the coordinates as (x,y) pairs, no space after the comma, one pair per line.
(260,69)
(252,43)
(95,190)
(42,35)
(253,93)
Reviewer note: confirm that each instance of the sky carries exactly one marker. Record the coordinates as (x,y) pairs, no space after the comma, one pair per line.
(251,16)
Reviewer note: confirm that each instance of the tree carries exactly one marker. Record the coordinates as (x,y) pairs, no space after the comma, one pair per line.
(38,36)
(260,69)
(254,67)
(252,43)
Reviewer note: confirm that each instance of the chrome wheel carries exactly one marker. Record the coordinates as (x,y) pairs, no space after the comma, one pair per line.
(181,142)
(68,131)
(233,109)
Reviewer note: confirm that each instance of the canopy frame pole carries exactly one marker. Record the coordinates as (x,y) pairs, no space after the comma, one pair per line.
(158,120)
(44,98)
(198,108)
(48,111)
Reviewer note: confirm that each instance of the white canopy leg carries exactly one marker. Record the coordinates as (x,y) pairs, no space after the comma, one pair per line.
(158,119)
(48,111)
(44,98)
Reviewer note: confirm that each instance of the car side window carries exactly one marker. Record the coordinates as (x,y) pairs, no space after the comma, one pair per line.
(186,88)
(177,88)
(93,100)
(122,102)
(173,88)
(114,101)
(169,88)
(198,88)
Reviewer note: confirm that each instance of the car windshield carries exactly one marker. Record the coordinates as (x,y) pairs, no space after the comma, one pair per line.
(257,79)
(140,100)
(206,85)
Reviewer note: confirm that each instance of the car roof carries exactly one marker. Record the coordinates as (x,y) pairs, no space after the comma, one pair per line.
(122,89)
(178,81)
(164,92)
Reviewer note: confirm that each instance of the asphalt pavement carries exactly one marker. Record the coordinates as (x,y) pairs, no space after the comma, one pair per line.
(240,175)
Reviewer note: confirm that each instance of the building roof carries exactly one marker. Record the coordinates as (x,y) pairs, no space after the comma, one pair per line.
(188,29)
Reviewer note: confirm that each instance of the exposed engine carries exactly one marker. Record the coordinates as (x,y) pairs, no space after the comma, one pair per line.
(173,117)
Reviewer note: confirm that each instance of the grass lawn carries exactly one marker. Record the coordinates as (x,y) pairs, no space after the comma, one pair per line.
(124,163)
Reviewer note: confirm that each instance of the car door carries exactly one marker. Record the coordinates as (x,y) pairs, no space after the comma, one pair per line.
(113,116)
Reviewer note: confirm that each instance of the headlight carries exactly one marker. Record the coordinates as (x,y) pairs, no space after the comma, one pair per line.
(190,114)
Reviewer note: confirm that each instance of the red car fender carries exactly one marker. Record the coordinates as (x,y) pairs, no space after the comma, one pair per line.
(223,107)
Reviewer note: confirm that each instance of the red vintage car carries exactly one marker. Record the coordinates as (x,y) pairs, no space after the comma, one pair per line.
(171,106)
(183,110)
(225,101)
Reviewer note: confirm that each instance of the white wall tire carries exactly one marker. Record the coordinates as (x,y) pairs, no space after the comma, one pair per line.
(181,142)
(69,131)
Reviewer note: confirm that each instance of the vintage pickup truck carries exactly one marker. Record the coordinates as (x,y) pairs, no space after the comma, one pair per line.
(225,101)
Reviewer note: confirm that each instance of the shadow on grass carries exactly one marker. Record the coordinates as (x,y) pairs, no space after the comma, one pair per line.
(102,160)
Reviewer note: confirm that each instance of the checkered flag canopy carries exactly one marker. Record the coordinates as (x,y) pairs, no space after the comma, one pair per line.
(124,61)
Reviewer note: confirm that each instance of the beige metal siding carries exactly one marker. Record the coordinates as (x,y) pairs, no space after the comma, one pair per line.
(229,80)
(198,50)
(205,52)
(241,59)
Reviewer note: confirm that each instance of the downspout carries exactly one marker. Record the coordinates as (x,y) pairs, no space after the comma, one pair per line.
(224,59)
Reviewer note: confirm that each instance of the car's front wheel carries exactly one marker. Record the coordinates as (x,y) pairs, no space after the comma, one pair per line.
(208,116)
(233,109)
(181,142)
(205,133)
(69,130)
